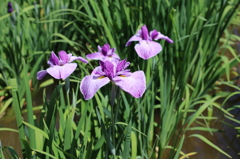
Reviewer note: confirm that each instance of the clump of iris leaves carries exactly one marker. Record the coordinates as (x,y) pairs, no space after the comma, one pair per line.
(182,91)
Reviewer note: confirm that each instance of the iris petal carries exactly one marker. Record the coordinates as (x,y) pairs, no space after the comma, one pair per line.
(67,70)
(109,69)
(133,38)
(77,58)
(62,72)
(90,85)
(134,84)
(115,56)
(41,74)
(63,56)
(144,31)
(106,49)
(53,60)
(95,56)
(122,65)
(147,49)
(54,71)
(155,35)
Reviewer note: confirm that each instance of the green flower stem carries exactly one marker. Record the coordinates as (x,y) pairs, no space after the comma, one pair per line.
(113,96)
(67,87)
(115,93)
(17,109)
(30,114)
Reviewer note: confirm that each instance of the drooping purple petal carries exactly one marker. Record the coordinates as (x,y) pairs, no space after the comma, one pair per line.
(95,56)
(41,74)
(72,58)
(63,56)
(136,37)
(54,71)
(134,84)
(53,60)
(155,35)
(90,85)
(67,70)
(144,31)
(62,72)
(147,49)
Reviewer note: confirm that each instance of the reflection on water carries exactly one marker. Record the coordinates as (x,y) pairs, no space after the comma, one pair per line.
(226,138)
(8,120)
(9,138)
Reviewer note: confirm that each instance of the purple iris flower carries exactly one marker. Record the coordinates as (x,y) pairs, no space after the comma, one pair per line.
(147,48)
(10,8)
(116,72)
(60,68)
(104,53)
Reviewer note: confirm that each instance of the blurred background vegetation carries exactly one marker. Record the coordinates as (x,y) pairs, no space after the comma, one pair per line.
(191,85)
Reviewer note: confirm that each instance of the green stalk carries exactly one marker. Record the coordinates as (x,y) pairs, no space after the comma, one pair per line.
(17,109)
(67,86)
(115,93)
(29,107)
(113,96)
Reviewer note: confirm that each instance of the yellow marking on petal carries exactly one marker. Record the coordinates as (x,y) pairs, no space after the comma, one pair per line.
(101,77)
(122,76)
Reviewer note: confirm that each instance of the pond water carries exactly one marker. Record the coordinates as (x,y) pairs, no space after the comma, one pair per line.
(9,138)
(226,139)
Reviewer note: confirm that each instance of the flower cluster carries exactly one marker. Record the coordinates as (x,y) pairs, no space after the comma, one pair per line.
(111,68)
(115,71)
